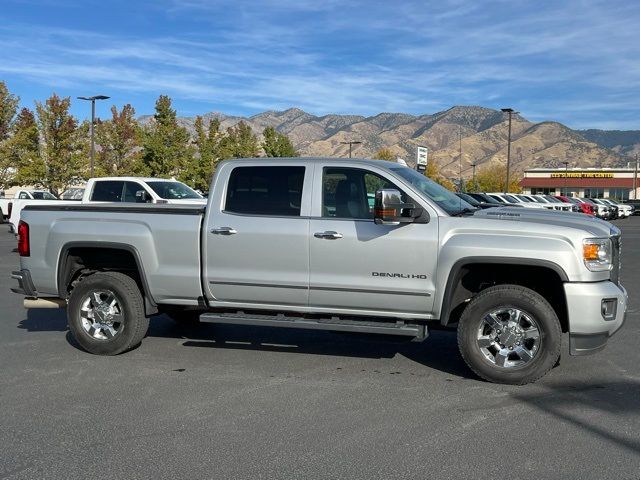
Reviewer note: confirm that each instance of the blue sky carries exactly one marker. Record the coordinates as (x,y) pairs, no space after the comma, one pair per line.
(577,62)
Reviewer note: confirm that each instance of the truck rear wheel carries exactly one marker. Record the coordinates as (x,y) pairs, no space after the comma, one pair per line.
(106,313)
(509,334)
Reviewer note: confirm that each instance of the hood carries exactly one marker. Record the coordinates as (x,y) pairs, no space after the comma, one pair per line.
(580,221)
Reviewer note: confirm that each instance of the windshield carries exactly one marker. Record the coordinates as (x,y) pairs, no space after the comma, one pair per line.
(511,198)
(485,198)
(43,196)
(173,190)
(469,199)
(445,199)
(553,199)
(524,198)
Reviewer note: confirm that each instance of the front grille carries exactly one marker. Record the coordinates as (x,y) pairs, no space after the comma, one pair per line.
(615,259)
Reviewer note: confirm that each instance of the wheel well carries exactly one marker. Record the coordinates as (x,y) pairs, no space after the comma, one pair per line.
(76,262)
(473,278)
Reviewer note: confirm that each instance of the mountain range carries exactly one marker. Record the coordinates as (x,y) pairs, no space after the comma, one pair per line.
(480,133)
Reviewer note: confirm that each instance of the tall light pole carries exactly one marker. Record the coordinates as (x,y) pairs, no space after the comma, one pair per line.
(635,180)
(566,177)
(460,154)
(350,145)
(510,112)
(93,121)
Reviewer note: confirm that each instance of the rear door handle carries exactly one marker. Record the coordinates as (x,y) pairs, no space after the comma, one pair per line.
(224,231)
(330,235)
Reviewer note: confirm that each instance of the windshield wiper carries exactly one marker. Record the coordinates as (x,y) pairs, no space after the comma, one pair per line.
(464,212)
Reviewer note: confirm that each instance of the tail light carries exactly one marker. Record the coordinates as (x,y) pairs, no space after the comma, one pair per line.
(9,209)
(24,249)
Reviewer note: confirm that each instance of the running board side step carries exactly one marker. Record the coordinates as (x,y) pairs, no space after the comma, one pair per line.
(419,332)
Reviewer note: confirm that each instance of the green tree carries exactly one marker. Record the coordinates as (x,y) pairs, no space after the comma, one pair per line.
(276,144)
(385,153)
(207,143)
(21,149)
(166,146)
(63,148)
(120,151)
(8,108)
(492,178)
(239,142)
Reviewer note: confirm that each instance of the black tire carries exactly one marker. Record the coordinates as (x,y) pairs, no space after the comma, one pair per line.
(528,302)
(130,305)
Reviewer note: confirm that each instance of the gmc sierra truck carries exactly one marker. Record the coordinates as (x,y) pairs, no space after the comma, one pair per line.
(331,244)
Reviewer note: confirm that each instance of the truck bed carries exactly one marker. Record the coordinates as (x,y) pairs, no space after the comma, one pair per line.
(164,239)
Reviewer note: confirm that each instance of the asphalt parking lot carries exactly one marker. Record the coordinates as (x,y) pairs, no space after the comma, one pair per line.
(230,402)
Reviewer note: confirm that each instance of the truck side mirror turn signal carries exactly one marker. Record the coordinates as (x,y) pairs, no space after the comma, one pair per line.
(389,209)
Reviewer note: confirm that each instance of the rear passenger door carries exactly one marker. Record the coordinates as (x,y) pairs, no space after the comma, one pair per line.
(256,236)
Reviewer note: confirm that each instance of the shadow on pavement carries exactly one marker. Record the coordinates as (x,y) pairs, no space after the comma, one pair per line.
(438,352)
(45,320)
(583,406)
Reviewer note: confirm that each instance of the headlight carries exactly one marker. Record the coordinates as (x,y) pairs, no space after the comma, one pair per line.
(596,253)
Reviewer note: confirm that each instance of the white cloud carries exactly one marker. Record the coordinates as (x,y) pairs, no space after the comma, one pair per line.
(573,61)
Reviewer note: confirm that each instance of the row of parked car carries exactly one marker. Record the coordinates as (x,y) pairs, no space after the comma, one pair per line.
(605,208)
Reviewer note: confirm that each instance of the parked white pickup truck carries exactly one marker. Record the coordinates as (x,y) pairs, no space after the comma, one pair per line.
(6,204)
(122,189)
(297,243)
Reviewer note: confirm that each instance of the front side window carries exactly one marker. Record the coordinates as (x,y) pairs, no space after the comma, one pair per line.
(171,190)
(130,190)
(350,192)
(43,196)
(265,191)
(107,191)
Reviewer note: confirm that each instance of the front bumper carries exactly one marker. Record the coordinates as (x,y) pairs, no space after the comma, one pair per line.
(589,330)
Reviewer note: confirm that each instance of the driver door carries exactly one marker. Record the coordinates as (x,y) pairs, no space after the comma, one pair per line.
(356,264)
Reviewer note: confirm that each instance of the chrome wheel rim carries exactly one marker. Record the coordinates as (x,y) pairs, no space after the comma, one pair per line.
(101,315)
(508,337)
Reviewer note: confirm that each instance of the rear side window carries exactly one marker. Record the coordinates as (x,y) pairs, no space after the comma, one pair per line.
(265,191)
(107,191)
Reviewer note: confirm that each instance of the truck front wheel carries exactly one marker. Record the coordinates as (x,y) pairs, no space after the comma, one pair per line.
(106,313)
(509,334)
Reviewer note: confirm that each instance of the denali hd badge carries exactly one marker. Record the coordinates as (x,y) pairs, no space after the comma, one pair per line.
(399,275)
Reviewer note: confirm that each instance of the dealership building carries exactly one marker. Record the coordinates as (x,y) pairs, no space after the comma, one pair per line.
(618,183)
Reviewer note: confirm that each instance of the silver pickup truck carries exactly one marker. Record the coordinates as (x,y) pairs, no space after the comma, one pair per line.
(331,244)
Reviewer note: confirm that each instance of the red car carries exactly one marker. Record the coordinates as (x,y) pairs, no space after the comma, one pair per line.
(584,207)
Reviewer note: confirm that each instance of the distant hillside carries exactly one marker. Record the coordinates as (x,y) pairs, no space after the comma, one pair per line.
(620,141)
(482,132)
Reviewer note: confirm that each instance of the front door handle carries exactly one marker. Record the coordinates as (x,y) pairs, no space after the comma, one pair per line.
(224,231)
(330,235)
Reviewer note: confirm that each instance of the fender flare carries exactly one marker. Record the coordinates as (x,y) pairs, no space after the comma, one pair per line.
(455,275)
(150,305)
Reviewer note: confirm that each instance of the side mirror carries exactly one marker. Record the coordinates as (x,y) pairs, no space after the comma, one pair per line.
(390,210)
(142,196)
